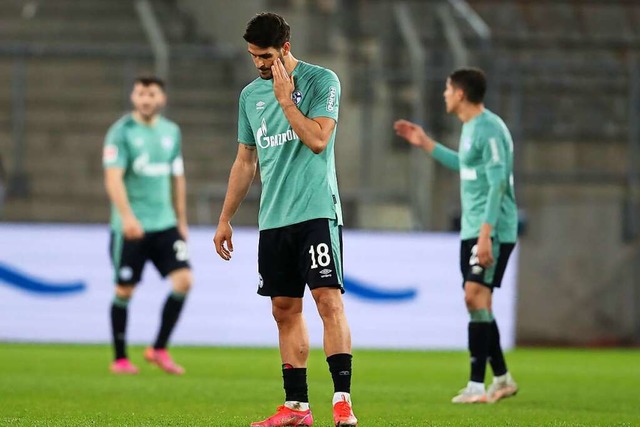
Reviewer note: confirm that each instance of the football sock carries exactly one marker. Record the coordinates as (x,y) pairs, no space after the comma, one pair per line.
(119,326)
(496,357)
(479,335)
(295,385)
(170,314)
(340,368)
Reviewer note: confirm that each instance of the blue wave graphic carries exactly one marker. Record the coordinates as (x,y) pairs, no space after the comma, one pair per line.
(26,283)
(371,293)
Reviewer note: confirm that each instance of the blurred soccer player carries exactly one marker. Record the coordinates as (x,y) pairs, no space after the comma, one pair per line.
(287,120)
(489,220)
(144,177)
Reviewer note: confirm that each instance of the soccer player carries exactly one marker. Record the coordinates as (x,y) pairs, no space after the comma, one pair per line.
(287,121)
(144,178)
(489,220)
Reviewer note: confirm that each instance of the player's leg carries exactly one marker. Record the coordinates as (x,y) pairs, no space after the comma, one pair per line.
(477,297)
(280,280)
(322,262)
(170,256)
(128,258)
(503,384)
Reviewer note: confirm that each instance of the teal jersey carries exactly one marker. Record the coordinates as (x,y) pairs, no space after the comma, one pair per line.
(297,185)
(149,156)
(485,162)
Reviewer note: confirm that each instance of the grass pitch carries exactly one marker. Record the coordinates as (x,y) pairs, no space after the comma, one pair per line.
(69,385)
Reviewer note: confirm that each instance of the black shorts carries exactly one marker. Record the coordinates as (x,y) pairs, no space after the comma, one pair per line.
(472,271)
(307,253)
(166,249)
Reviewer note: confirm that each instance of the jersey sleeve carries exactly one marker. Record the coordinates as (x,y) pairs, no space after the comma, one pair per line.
(446,156)
(245,134)
(326,96)
(115,153)
(177,163)
(494,164)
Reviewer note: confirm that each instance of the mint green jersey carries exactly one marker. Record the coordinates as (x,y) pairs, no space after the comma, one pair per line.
(485,162)
(297,185)
(149,156)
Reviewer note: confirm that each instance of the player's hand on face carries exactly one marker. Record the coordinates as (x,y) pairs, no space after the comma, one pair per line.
(411,132)
(222,240)
(282,82)
(485,253)
(131,228)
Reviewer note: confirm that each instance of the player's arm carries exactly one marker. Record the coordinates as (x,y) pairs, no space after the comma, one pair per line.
(242,173)
(114,184)
(493,157)
(314,133)
(416,136)
(180,203)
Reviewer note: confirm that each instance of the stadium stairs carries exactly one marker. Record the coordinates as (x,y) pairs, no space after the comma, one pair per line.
(71,99)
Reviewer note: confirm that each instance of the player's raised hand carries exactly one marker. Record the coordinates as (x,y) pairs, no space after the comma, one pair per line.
(283,84)
(222,240)
(413,133)
(131,228)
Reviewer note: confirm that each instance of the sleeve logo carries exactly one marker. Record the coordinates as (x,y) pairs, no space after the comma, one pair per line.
(110,153)
(331,99)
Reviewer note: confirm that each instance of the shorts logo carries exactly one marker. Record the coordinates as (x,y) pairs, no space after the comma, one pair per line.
(296,97)
(325,273)
(476,269)
(260,281)
(125,273)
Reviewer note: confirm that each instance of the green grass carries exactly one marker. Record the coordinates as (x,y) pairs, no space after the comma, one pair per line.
(69,385)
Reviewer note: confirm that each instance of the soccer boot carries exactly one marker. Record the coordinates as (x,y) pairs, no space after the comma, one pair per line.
(502,388)
(123,367)
(343,414)
(470,395)
(285,416)
(162,359)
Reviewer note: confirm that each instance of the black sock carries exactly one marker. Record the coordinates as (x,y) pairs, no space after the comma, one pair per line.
(340,368)
(170,315)
(496,357)
(479,349)
(119,326)
(295,384)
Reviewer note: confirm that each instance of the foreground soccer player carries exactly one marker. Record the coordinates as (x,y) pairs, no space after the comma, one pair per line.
(287,120)
(489,220)
(143,164)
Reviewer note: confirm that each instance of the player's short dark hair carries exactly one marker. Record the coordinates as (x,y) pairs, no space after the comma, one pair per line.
(472,81)
(267,30)
(148,80)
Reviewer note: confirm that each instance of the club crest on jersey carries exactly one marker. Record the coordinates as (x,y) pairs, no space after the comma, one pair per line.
(296,97)
(167,142)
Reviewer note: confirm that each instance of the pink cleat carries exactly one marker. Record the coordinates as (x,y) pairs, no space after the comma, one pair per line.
(123,367)
(285,416)
(162,358)
(343,414)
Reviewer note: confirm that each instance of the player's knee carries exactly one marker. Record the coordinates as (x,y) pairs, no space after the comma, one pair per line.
(124,292)
(329,304)
(182,281)
(284,311)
